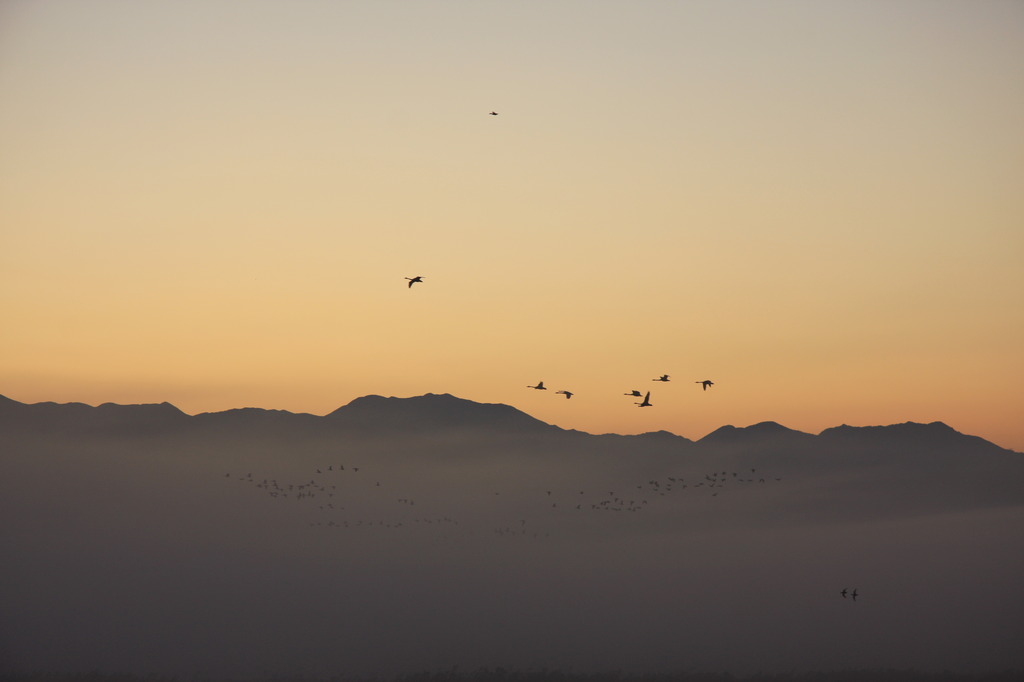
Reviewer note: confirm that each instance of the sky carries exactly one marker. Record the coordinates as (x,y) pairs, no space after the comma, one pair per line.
(815,205)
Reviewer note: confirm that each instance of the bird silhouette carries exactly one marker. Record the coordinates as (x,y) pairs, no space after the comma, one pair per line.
(567,394)
(854,594)
(663,377)
(706,383)
(647,400)
(843,593)
(635,394)
(493,113)
(414,280)
(540,386)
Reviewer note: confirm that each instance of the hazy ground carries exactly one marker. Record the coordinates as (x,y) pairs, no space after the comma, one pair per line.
(160,554)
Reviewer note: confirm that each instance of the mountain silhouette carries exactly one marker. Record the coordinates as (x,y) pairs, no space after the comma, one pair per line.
(763,433)
(432,412)
(108,417)
(257,418)
(895,436)
(375,414)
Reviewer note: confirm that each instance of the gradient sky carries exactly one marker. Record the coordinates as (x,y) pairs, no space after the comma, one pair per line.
(817,205)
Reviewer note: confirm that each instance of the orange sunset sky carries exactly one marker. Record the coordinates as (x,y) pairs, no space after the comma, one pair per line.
(817,205)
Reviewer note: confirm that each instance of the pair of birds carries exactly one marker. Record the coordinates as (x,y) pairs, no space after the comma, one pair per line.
(853,595)
(541,387)
(665,377)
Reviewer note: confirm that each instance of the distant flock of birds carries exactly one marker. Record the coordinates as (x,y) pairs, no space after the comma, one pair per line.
(344,500)
(320,488)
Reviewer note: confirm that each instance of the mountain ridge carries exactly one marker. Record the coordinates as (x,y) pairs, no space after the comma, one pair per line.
(766,430)
(437,411)
(431,410)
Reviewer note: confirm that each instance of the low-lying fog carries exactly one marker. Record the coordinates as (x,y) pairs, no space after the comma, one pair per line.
(238,553)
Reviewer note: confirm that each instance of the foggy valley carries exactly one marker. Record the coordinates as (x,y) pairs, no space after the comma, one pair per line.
(402,535)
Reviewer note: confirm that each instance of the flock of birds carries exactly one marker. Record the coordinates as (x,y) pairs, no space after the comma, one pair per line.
(646,402)
(321,491)
(341,497)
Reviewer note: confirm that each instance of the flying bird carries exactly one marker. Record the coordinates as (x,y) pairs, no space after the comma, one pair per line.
(540,386)
(663,377)
(567,394)
(493,113)
(706,383)
(843,593)
(634,393)
(414,280)
(647,400)
(854,594)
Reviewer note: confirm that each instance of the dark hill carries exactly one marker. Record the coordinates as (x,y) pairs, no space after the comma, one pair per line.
(935,436)
(764,434)
(432,412)
(79,417)
(257,418)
